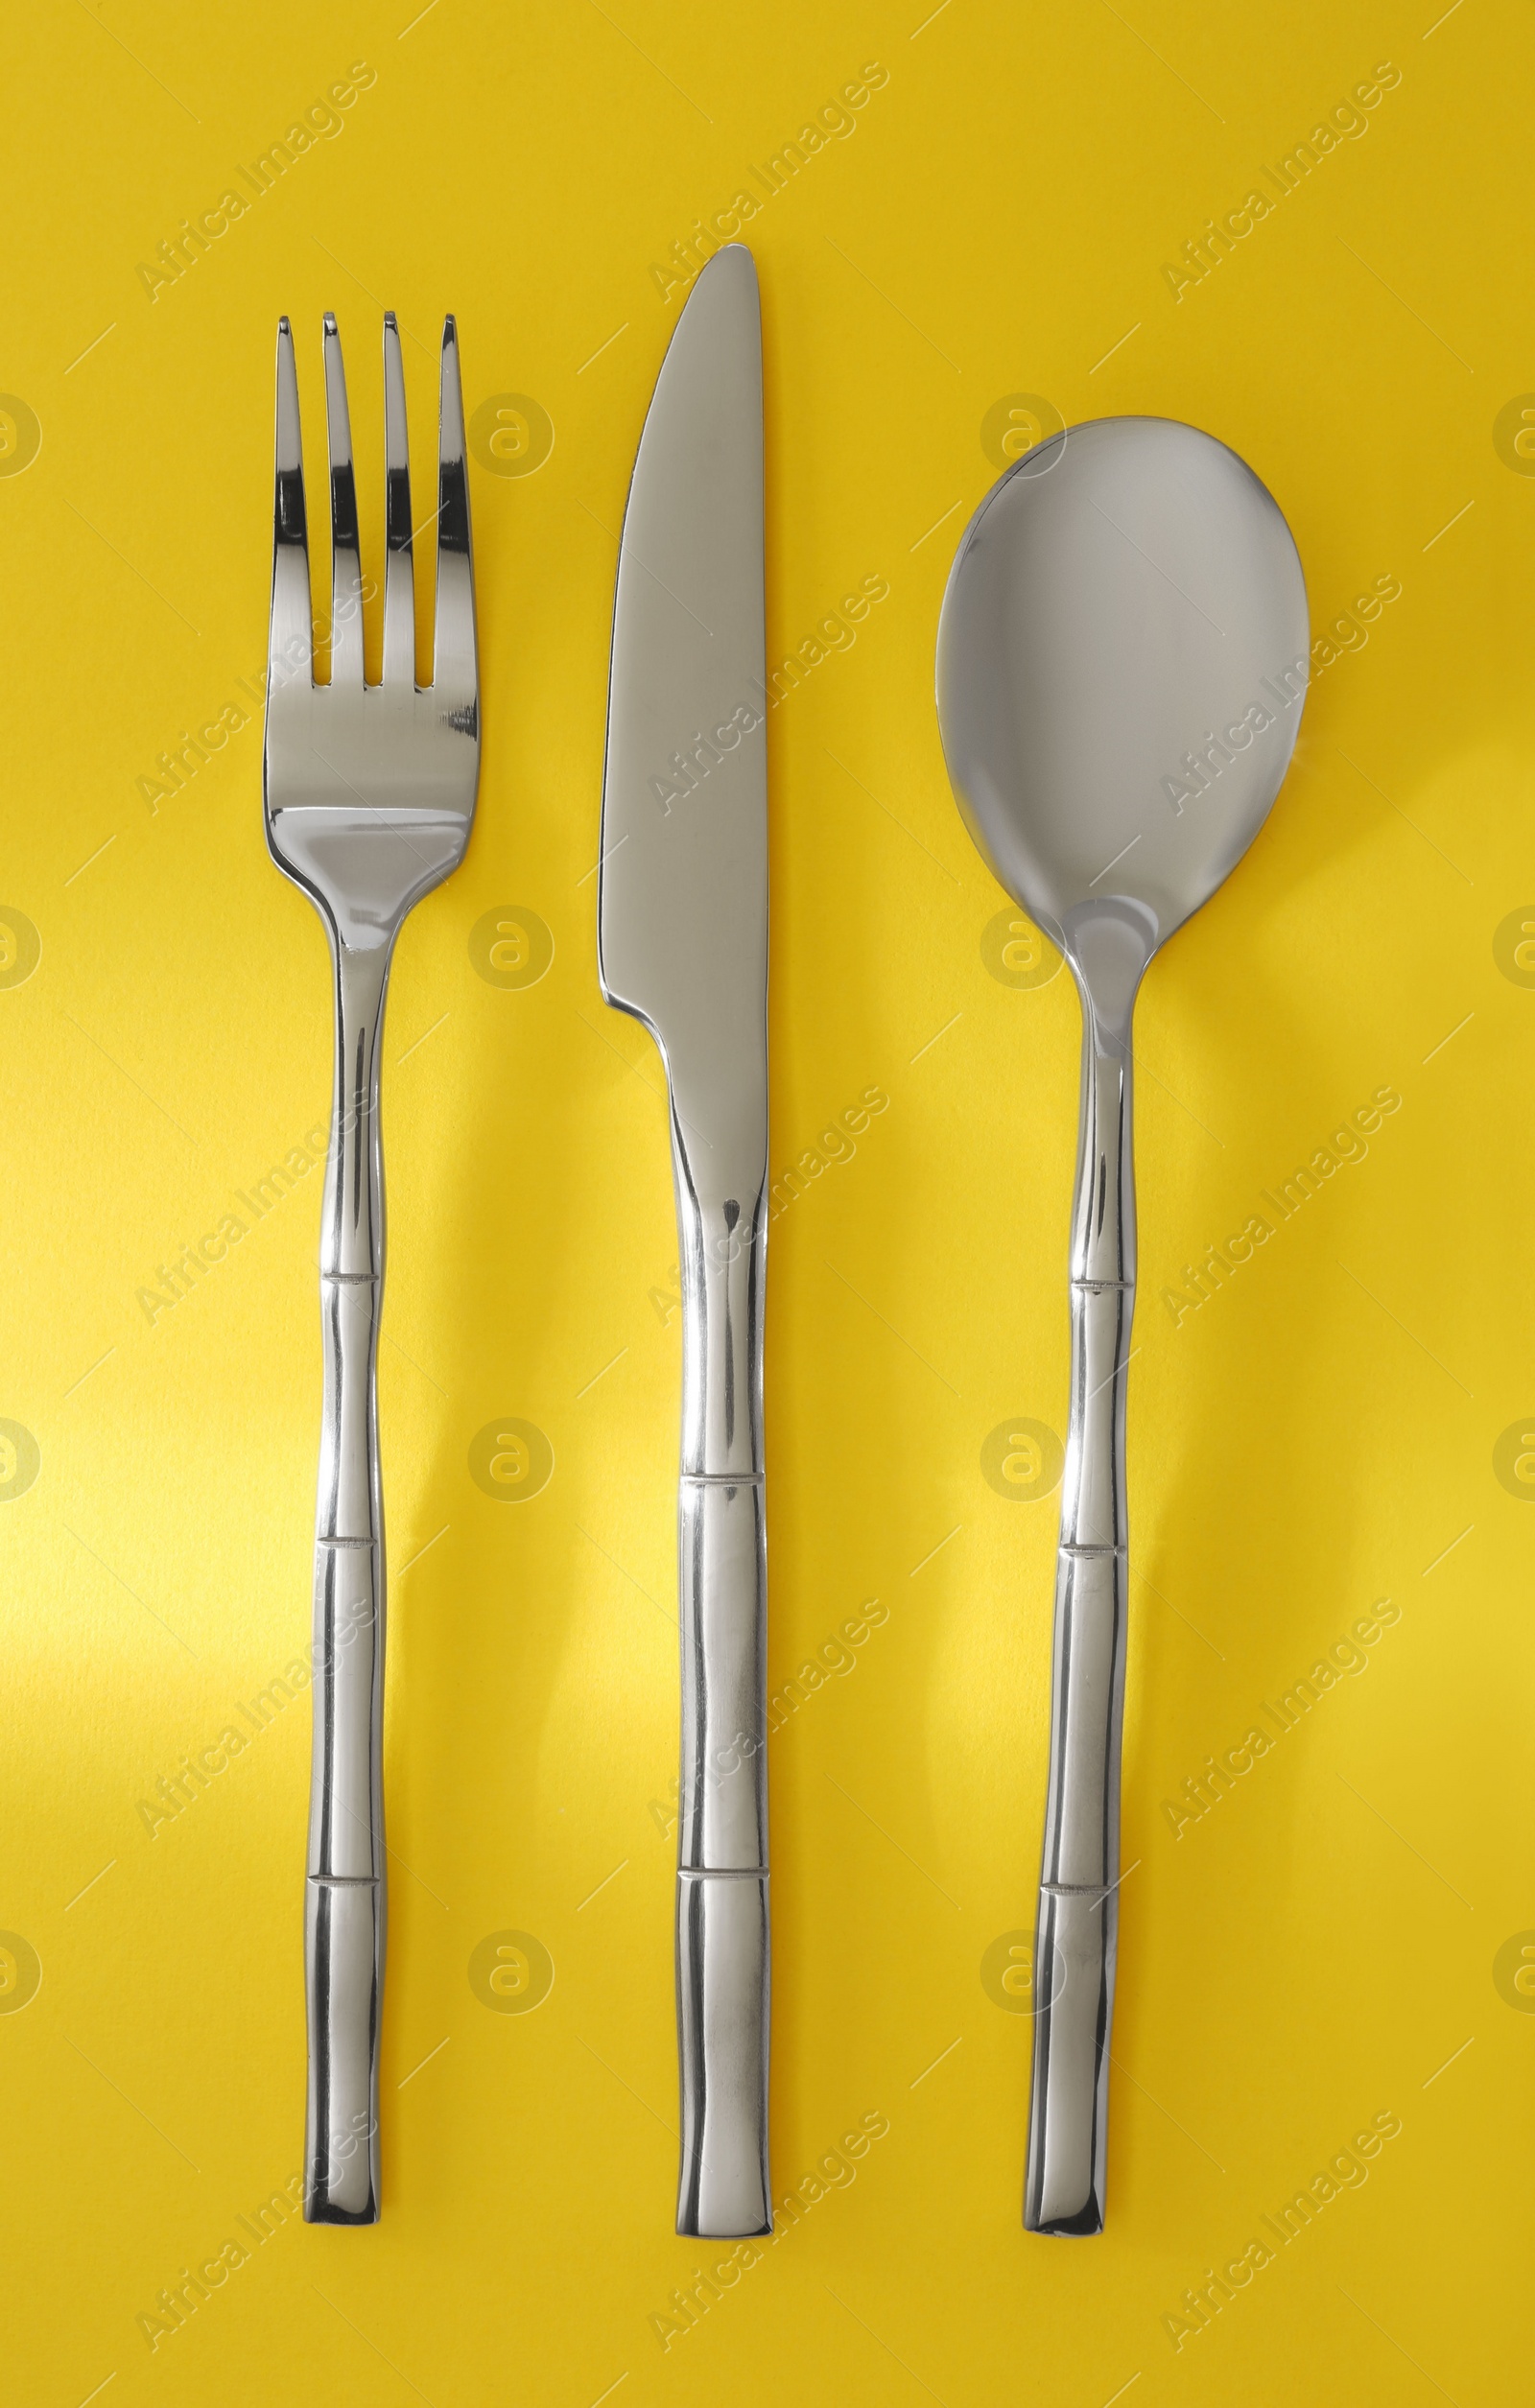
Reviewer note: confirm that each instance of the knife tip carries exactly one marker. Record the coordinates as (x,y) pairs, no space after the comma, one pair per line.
(734,259)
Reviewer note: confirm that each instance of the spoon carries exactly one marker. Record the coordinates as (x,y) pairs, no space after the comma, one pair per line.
(1122,657)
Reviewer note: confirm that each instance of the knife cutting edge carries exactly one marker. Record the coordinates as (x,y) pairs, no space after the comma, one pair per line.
(682,944)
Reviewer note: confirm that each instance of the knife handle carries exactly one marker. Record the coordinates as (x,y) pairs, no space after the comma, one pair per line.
(722,1919)
(723,1964)
(1076,1931)
(344,1915)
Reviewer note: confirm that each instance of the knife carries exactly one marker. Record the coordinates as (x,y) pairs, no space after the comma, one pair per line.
(682,944)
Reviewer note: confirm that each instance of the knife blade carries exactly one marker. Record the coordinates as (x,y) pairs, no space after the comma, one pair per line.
(682,944)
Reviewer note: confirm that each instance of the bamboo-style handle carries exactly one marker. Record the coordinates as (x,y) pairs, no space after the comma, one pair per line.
(723,1922)
(1077,1920)
(343,1925)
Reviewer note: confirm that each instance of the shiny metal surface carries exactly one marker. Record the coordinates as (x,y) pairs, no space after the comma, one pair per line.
(1122,656)
(370,796)
(682,942)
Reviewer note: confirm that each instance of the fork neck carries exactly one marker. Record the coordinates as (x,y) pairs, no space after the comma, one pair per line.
(352,1244)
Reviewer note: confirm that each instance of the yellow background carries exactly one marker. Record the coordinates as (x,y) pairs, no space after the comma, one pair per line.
(1314,1950)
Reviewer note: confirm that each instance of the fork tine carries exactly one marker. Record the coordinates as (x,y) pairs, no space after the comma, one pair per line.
(291,634)
(454,670)
(399,576)
(347,573)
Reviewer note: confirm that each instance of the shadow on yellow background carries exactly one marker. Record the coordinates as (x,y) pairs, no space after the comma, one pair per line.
(1332,1942)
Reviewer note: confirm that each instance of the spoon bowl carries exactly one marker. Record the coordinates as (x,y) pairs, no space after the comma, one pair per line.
(1123,654)
(1122,659)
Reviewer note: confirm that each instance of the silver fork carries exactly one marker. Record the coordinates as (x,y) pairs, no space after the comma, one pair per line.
(369,794)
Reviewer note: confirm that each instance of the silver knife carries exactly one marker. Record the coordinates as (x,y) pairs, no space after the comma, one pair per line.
(682,944)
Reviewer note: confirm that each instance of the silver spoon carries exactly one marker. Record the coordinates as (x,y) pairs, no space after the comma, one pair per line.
(1122,656)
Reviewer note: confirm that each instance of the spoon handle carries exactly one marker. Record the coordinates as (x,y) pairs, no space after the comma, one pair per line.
(1078,1921)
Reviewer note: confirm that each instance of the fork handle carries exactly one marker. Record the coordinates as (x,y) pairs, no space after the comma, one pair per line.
(1076,1931)
(343,1925)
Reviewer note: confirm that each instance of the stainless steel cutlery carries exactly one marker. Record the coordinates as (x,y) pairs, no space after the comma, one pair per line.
(682,930)
(369,797)
(1122,660)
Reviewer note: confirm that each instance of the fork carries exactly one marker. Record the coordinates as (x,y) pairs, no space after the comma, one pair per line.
(369,794)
